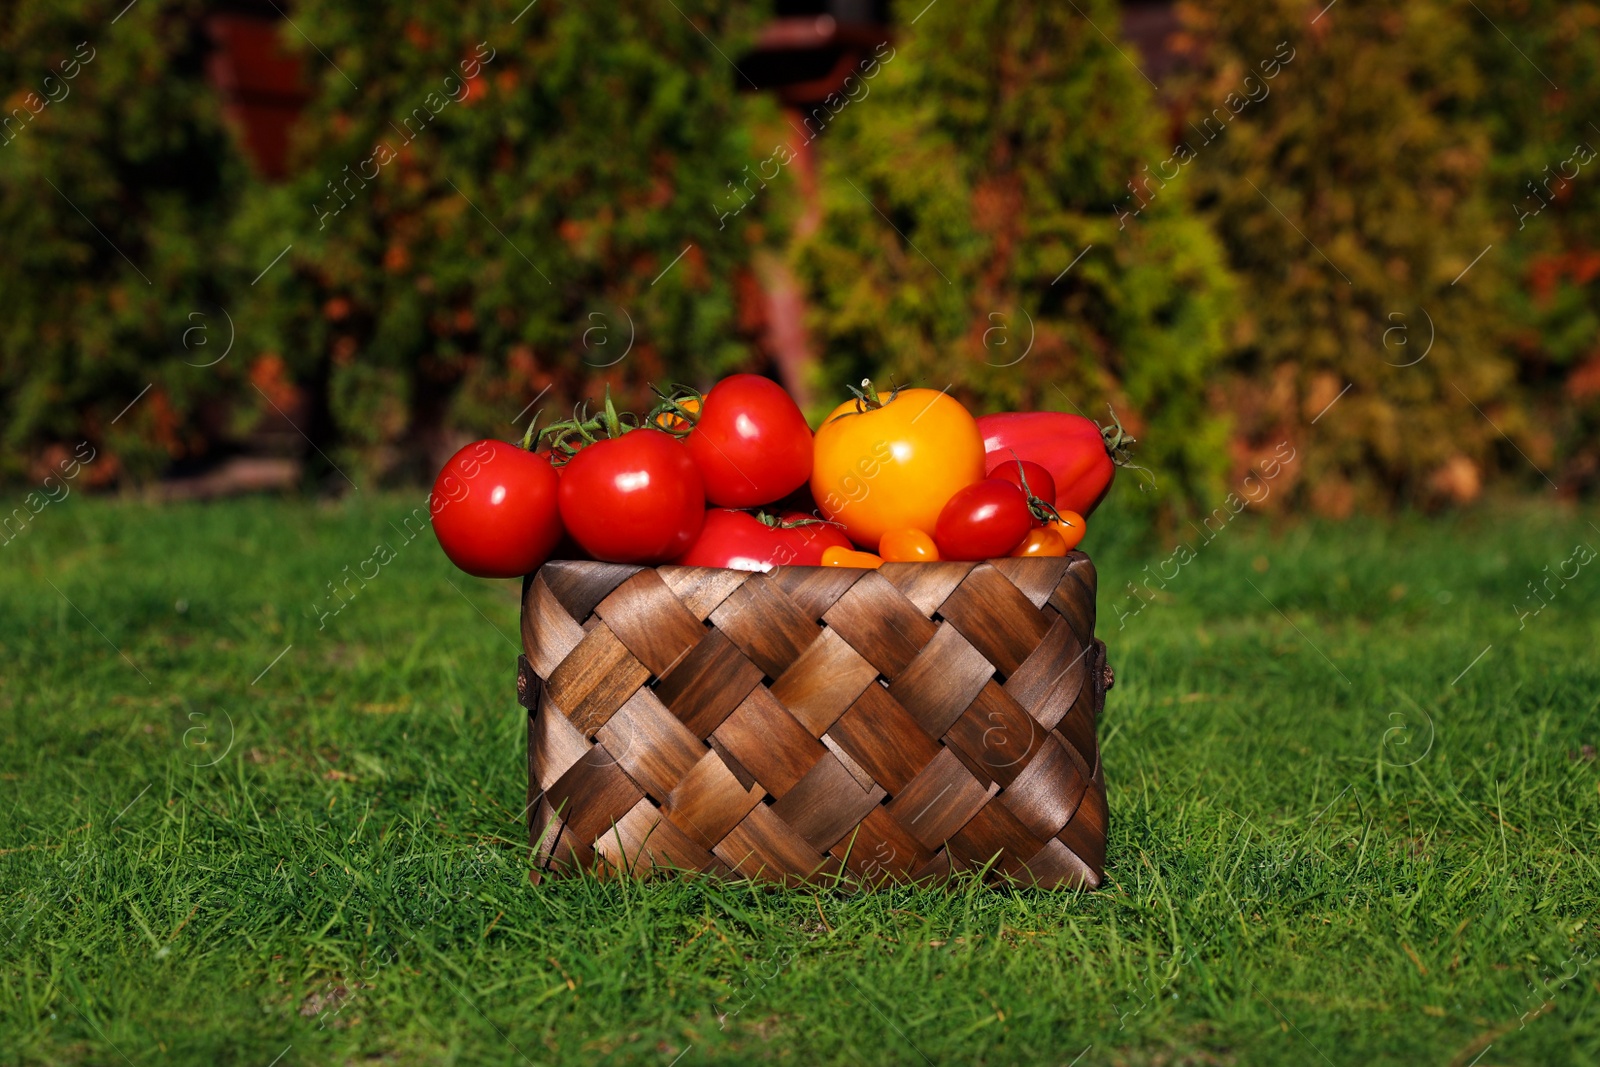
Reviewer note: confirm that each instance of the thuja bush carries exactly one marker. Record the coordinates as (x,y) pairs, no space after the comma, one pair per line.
(115,183)
(969,238)
(1353,202)
(1544,122)
(489,207)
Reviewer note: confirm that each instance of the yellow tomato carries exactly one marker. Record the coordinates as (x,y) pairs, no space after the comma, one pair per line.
(1041,541)
(907,546)
(835,556)
(1071,528)
(894,466)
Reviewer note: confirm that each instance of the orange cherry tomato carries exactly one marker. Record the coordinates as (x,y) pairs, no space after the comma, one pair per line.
(1041,541)
(834,556)
(907,546)
(895,465)
(1071,528)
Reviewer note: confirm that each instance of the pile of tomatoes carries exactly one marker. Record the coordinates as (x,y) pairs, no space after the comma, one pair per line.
(736,478)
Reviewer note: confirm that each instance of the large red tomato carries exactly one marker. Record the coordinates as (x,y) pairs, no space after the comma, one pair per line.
(983,521)
(750,442)
(494,510)
(744,542)
(634,498)
(1081,456)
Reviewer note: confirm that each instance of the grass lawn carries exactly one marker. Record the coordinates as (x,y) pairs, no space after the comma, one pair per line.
(231,835)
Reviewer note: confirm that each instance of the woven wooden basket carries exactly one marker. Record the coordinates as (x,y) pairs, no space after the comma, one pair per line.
(817,723)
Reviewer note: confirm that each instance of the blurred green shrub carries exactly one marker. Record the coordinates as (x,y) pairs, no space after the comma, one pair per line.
(489,207)
(494,211)
(1543,116)
(1351,200)
(963,180)
(116,180)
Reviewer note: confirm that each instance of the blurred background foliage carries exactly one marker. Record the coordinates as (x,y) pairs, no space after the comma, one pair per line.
(480,211)
(117,178)
(1352,195)
(958,194)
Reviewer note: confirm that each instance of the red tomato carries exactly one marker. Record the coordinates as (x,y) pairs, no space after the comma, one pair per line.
(744,542)
(1081,456)
(750,442)
(636,498)
(983,521)
(494,510)
(812,538)
(1016,471)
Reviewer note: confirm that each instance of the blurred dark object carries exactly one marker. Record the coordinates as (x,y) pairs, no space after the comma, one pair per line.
(1155,28)
(262,87)
(811,47)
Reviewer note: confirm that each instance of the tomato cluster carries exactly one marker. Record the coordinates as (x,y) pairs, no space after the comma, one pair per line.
(735,478)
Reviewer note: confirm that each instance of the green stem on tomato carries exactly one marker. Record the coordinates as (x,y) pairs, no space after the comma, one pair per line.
(573,435)
(675,404)
(775,523)
(867,398)
(1117,441)
(1041,509)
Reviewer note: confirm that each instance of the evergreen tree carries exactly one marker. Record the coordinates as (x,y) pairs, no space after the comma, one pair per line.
(506,204)
(115,181)
(970,194)
(1353,203)
(1543,59)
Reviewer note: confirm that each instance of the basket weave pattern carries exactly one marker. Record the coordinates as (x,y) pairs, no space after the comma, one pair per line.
(817,722)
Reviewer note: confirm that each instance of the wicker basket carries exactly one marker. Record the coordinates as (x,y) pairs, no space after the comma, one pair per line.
(817,723)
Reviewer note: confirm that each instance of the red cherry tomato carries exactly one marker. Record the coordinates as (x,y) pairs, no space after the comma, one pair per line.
(750,442)
(636,498)
(983,521)
(743,542)
(1040,484)
(494,510)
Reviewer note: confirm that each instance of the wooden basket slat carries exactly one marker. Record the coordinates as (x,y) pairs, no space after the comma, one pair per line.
(815,723)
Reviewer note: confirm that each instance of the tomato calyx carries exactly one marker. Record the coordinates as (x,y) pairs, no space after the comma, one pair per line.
(571,436)
(678,411)
(531,438)
(867,398)
(1042,510)
(1117,441)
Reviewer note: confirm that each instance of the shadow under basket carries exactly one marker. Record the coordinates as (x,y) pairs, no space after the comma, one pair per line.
(815,724)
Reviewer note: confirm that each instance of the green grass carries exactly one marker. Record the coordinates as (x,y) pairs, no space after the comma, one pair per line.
(1323,850)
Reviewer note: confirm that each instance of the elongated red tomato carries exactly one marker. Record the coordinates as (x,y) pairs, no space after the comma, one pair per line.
(636,498)
(1080,455)
(750,442)
(494,510)
(983,521)
(744,542)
